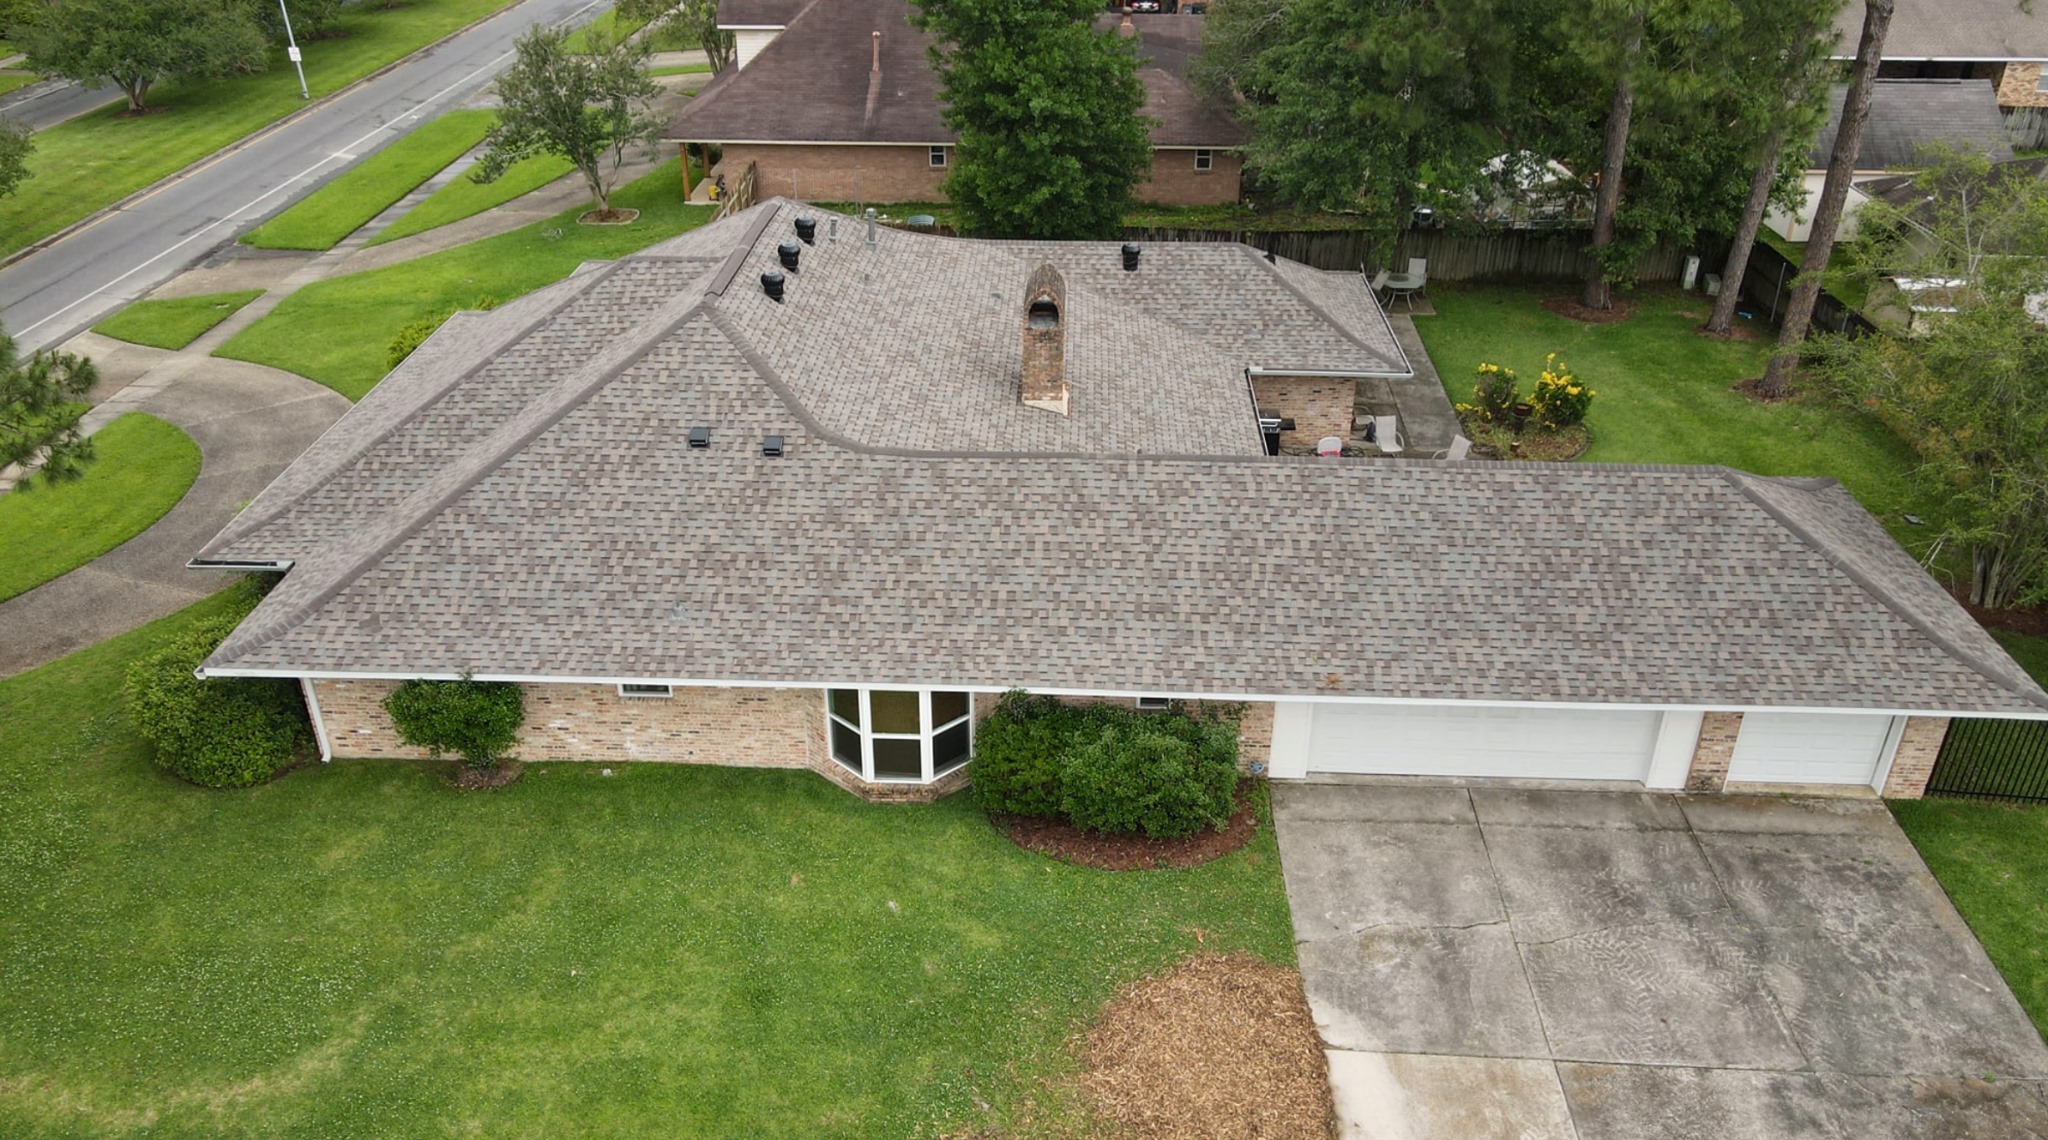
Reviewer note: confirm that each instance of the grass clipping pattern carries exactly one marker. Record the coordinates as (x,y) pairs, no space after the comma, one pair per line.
(1219,1046)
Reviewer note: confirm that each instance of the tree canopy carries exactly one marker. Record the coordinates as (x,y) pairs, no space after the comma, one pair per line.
(592,109)
(41,404)
(1048,112)
(691,21)
(136,43)
(16,144)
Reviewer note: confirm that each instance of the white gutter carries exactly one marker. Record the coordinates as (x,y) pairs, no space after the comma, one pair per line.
(1181,694)
(1339,373)
(319,722)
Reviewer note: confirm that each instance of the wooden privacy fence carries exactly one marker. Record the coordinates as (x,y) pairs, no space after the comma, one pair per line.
(741,195)
(1503,255)
(1767,284)
(1993,760)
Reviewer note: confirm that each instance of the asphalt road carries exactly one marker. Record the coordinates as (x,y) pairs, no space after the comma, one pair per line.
(47,298)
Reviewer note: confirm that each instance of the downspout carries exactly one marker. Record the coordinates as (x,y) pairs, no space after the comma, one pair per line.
(319,722)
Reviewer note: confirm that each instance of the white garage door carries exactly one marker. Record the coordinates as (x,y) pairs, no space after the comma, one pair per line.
(1808,748)
(1546,744)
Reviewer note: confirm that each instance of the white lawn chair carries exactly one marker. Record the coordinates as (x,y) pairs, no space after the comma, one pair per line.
(1407,285)
(1379,282)
(1459,449)
(1330,447)
(1386,434)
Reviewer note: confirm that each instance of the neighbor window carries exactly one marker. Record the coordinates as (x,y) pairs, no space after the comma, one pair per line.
(938,157)
(899,734)
(646,691)
(1205,160)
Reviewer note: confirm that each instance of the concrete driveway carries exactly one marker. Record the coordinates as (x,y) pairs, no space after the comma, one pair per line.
(1572,965)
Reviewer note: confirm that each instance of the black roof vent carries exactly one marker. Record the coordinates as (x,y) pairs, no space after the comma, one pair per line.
(700,438)
(771,446)
(1130,257)
(1272,258)
(771,284)
(789,252)
(807,229)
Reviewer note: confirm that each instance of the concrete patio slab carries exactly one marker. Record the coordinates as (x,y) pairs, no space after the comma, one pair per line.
(1394,1096)
(1839,882)
(1559,882)
(1623,1102)
(1357,876)
(1405,989)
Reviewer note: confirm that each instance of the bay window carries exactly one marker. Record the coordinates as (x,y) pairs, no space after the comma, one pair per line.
(914,735)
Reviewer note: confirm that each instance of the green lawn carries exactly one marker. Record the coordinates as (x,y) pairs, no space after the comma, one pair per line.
(143,466)
(462,198)
(341,207)
(1993,861)
(16,80)
(579,40)
(359,950)
(2030,652)
(173,322)
(1665,393)
(336,331)
(97,159)
(681,69)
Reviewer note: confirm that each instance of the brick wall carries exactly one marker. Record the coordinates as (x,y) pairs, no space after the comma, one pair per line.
(1176,182)
(2017,83)
(829,173)
(1710,758)
(1319,406)
(1919,744)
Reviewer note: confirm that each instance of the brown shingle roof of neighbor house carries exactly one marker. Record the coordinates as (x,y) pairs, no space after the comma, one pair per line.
(1907,115)
(812,84)
(518,500)
(759,13)
(1951,30)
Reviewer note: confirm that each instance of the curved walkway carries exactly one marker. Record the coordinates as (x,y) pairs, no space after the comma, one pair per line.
(250,422)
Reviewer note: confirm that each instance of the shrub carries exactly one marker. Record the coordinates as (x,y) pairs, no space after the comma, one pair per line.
(476,720)
(1021,750)
(1495,393)
(1560,399)
(226,732)
(413,334)
(1164,777)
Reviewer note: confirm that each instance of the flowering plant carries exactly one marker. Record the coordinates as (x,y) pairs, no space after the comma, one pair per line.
(1560,399)
(1495,393)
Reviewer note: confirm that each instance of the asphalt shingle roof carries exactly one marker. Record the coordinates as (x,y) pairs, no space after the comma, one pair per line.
(568,532)
(1951,30)
(1909,114)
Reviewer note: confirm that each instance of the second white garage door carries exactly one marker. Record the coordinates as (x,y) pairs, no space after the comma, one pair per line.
(1809,748)
(1446,740)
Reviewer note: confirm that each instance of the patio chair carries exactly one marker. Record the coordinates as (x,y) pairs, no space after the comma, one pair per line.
(1379,282)
(1407,285)
(1330,447)
(1386,433)
(1460,448)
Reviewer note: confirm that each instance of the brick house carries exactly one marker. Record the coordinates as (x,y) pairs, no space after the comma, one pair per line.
(836,101)
(791,491)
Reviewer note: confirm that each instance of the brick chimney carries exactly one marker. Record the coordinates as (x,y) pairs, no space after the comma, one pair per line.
(1045,340)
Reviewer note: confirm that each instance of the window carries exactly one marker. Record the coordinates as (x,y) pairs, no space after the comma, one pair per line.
(2041,80)
(1154,704)
(656,691)
(1205,160)
(902,735)
(937,158)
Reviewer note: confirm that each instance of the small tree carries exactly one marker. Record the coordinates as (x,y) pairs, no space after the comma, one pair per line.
(41,404)
(591,109)
(16,144)
(477,720)
(135,43)
(690,22)
(1048,113)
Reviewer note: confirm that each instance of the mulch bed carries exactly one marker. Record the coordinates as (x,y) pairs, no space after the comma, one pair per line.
(486,779)
(1069,844)
(1548,446)
(1570,309)
(1220,1046)
(606,217)
(2033,623)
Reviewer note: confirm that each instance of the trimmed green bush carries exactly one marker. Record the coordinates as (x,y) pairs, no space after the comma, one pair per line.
(476,720)
(227,732)
(1164,776)
(413,334)
(1106,768)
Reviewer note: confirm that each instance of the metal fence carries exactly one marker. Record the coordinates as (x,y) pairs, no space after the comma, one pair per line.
(1501,255)
(1767,284)
(1993,760)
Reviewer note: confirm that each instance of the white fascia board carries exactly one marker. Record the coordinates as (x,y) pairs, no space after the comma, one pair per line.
(807,142)
(1180,694)
(1337,373)
(752,27)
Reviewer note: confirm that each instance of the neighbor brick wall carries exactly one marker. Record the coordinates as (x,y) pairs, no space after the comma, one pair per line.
(1711,756)
(2016,85)
(1319,406)
(1176,182)
(755,728)
(828,173)
(1919,744)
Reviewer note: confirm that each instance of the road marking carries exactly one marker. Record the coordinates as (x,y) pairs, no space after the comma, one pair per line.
(234,215)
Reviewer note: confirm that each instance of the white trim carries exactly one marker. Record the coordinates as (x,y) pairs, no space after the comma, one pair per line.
(319,722)
(1887,754)
(1183,694)
(668,691)
(752,27)
(1678,738)
(1342,374)
(801,142)
(926,736)
(1293,725)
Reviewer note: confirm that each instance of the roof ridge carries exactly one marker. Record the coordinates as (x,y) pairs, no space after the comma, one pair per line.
(434,397)
(1272,269)
(454,479)
(764,213)
(1745,484)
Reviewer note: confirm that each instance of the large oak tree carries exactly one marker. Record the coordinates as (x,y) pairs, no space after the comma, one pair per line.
(134,44)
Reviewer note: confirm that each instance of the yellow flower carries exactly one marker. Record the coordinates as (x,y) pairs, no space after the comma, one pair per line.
(1573,391)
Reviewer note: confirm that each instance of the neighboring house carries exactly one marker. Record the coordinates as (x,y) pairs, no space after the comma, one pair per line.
(1992,40)
(788,495)
(836,100)
(1906,116)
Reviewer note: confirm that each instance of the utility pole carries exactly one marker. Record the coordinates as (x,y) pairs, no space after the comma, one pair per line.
(291,50)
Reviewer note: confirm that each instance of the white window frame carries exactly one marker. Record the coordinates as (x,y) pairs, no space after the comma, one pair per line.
(925,738)
(650,691)
(1205,161)
(937,157)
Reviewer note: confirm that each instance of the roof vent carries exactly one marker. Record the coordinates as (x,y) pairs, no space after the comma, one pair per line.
(771,446)
(807,229)
(771,284)
(789,251)
(700,438)
(1272,258)
(869,217)
(1130,257)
